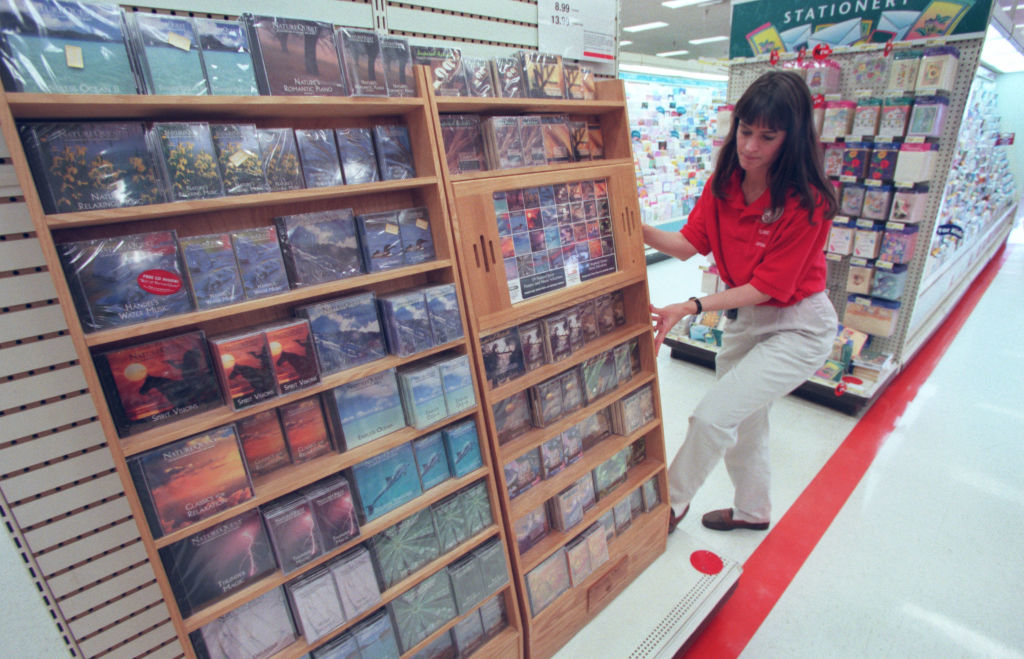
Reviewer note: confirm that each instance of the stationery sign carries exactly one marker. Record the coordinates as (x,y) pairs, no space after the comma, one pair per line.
(577,29)
(761,26)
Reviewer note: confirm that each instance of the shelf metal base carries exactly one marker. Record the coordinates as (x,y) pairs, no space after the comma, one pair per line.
(663,609)
(848,402)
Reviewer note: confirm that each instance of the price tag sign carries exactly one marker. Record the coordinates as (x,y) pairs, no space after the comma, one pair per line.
(578,29)
(559,28)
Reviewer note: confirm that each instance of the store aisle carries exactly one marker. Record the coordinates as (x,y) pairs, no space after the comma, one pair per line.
(922,559)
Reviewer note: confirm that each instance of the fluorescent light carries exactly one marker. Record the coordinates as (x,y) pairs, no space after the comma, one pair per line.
(627,42)
(678,73)
(676,4)
(698,42)
(999,54)
(670,53)
(645,26)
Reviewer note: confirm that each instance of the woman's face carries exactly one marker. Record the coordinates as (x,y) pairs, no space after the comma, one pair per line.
(758,146)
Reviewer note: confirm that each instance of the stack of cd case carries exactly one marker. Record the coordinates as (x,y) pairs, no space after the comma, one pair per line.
(406,322)
(422,610)
(346,331)
(457,382)
(633,411)
(386,481)
(462,446)
(356,579)
(315,604)
(431,460)
(405,547)
(218,561)
(366,409)
(422,394)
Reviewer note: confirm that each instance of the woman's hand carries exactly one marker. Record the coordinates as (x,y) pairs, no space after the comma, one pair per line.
(665,318)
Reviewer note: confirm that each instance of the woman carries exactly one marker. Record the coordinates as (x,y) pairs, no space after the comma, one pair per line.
(764,216)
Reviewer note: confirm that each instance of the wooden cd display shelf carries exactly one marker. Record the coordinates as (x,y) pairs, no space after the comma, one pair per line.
(258,210)
(480,264)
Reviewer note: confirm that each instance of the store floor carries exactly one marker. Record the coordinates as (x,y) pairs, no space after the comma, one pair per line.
(898,533)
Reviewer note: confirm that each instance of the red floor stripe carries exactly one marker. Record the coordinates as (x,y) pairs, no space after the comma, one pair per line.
(776,561)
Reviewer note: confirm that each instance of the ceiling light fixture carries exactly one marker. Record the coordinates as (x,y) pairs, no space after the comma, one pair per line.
(645,26)
(999,54)
(704,40)
(627,42)
(671,53)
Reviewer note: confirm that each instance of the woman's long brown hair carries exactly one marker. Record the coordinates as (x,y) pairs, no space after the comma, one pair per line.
(780,100)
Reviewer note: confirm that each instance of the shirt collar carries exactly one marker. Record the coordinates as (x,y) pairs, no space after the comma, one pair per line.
(734,197)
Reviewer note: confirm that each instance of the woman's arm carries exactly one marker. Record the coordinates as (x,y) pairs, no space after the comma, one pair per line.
(665,318)
(668,242)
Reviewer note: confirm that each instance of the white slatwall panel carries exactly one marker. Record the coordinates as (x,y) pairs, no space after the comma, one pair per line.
(20,456)
(62,500)
(35,321)
(502,10)
(14,393)
(446,26)
(36,511)
(15,218)
(19,254)
(96,571)
(338,12)
(26,289)
(85,600)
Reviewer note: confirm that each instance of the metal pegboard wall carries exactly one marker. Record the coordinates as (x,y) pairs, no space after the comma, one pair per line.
(60,498)
(743,72)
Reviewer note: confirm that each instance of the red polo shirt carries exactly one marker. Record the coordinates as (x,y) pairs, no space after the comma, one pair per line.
(784,259)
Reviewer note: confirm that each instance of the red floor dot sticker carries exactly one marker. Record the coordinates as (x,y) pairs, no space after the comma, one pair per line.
(706,562)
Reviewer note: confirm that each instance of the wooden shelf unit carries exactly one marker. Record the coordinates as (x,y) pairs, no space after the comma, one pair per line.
(491,309)
(231,213)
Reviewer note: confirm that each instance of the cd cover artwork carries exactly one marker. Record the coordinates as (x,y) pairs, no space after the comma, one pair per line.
(553,246)
(191,479)
(239,159)
(65,48)
(364,65)
(291,349)
(227,57)
(124,280)
(295,57)
(258,254)
(158,381)
(320,246)
(358,157)
(212,270)
(167,52)
(91,166)
(398,66)
(189,161)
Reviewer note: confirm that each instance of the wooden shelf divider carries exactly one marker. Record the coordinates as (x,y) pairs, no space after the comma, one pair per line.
(257,210)
(471,207)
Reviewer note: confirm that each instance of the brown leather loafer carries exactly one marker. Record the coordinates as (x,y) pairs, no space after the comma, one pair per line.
(673,521)
(721,520)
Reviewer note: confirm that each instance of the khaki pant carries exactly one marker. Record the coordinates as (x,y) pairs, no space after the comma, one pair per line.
(766,353)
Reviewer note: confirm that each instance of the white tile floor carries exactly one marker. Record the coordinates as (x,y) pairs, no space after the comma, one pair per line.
(924,559)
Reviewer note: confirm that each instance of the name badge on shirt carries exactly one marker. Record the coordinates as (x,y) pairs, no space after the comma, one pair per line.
(771,215)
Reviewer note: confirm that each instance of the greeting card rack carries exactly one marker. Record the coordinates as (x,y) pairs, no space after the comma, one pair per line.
(928,292)
(491,310)
(258,210)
